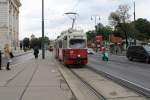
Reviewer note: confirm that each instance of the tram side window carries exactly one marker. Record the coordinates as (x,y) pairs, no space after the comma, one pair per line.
(60,44)
(65,42)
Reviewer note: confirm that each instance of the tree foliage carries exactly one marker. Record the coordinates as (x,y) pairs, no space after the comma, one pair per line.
(26,42)
(120,20)
(121,15)
(91,35)
(100,29)
(143,29)
(34,43)
(104,31)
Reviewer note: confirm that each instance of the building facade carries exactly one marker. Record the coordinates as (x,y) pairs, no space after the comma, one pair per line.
(9,23)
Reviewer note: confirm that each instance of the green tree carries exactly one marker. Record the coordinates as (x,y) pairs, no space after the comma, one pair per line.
(103,31)
(46,41)
(34,42)
(120,20)
(143,28)
(91,35)
(26,42)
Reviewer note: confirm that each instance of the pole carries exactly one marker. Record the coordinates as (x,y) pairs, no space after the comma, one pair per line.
(134,26)
(95,32)
(0,60)
(95,20)
(73,23)
(43,49)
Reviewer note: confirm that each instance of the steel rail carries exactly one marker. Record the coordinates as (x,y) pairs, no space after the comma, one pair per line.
(101,97)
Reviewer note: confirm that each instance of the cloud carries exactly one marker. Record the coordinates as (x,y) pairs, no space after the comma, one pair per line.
(56,20)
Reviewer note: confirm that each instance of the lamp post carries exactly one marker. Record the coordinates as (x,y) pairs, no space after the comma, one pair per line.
(95,17)
(43,49)
(134,25)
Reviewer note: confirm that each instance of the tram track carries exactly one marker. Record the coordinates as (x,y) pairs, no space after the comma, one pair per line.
(92,84)
(130,85)
(100,91)
(80,88)
(101,97)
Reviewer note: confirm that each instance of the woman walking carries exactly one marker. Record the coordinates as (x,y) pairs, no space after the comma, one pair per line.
(7,52)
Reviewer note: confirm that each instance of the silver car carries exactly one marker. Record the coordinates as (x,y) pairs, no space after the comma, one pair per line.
(90,51)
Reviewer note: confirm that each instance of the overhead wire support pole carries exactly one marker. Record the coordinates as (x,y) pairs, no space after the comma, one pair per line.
(95,20)
(134,26)
(43,43)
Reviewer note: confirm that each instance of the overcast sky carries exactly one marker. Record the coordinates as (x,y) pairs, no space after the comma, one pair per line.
(56,21)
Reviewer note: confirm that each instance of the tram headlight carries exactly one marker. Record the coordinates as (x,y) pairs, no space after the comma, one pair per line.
(79,56)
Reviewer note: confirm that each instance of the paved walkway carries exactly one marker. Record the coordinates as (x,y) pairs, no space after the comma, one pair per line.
(34,80)
(20,52)
(16,54)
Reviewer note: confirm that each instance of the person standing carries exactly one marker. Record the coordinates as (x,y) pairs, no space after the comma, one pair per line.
(7,52)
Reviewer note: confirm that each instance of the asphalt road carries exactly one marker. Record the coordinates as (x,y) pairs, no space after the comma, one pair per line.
(135,72)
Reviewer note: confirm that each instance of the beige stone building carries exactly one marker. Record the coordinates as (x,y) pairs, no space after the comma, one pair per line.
(9,23)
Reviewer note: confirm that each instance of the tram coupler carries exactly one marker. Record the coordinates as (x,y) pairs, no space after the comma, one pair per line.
(78,61)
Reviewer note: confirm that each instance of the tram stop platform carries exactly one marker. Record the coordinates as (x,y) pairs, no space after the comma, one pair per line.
(34,79)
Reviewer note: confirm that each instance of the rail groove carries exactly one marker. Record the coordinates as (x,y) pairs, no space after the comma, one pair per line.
(89,86)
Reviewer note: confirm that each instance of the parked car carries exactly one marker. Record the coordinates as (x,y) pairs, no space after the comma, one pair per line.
(139,52)
(90,51)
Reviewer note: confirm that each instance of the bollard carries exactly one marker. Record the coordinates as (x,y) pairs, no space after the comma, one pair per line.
(0,60)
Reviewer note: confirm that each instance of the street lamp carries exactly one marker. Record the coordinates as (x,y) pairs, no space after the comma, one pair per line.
(43,49)
(134,25)
(95,18)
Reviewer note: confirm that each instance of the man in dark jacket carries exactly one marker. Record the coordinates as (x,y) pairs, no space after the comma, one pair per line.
(36,52)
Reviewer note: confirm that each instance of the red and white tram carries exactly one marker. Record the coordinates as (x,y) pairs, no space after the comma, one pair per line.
(71,47)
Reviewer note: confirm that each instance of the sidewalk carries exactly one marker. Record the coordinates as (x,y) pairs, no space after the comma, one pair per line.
(16,54)
(34,80)
(20,52)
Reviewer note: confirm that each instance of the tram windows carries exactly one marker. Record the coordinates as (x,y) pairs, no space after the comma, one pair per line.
(77,43)
(65,42)
(60,44)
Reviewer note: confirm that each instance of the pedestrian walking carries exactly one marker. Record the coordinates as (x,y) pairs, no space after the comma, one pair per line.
(116,51)
(36,52)
(7,51)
